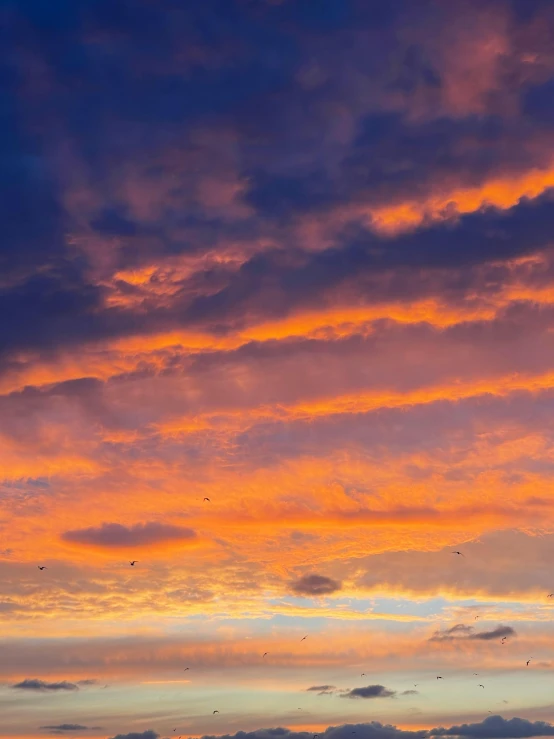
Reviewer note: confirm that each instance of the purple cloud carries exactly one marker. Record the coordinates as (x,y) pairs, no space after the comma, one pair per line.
(115,535)
(315,585)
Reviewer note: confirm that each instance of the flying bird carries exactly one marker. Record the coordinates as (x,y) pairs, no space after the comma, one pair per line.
(550,595)
(304,637)
(415,686)
(503,639)
(216,711)
(42,568)
(133,563)
(476,617)
(476,673)
(265,653)
(209,501)
(186,668)
(439,677)
(461,555)
(529,660)
(481,686)
(363,674)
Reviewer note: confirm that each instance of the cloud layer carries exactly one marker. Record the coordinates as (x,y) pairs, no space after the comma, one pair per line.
(277,288)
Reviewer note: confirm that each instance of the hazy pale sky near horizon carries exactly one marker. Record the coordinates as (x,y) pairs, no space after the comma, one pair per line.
(294,257)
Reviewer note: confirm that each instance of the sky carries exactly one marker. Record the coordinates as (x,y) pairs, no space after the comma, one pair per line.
(276,323)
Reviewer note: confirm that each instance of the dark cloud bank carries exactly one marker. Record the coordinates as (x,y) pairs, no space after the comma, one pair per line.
(493,727)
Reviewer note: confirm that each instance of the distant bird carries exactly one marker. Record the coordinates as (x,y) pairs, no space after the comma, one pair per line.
(415,685)
(489,711)
(363,674)
(439,677)
(461,555)
(304,637)
(476,673)
(550,595)
(265,653)
(133,563)
(476,617)
(42,568)
(481,686)
(503,639)
(529,660)
(216,712)
(186,668)
(209,501)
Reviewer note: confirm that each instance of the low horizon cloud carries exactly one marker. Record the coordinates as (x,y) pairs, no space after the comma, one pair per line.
(493,727)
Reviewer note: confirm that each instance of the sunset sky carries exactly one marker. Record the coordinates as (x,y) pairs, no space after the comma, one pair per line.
(277,322)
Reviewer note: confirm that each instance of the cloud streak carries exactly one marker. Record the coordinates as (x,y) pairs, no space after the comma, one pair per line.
(114,535)
(42,686)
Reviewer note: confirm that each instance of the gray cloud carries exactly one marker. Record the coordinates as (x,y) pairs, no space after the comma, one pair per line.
(496,726)
(61,728)
(322,689)
(315,585)
(460,631)
(137,735)
(370,691)
(410,692)
(35,684)
(114,535)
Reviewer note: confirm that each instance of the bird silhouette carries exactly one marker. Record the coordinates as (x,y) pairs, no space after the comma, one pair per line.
(529,660)
(550,595)
(481,686)
(304,638)
(265,653)
(133,563)
(209,501)
(461,555)
(363,674)
(216,712)
(42,568)
(415,685)
(186,668)
(439,677)
(476,673)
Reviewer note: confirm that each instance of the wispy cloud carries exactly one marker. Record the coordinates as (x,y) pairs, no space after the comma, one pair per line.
(461,632)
